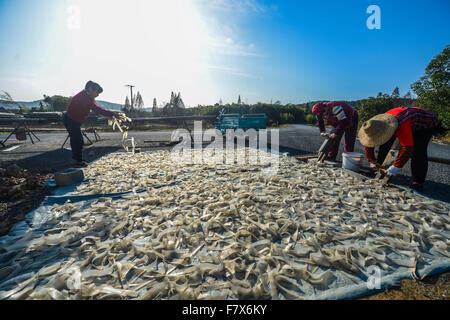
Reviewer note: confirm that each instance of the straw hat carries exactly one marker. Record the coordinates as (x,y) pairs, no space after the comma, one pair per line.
(378,130)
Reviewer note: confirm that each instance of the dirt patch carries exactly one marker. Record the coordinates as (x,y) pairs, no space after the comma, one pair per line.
(20,192)
(442,139)
(435,287)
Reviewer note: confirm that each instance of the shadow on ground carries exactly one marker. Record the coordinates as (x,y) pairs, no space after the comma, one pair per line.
(59,159)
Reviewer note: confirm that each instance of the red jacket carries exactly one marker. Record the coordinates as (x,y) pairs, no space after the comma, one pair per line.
(409,120)
(81,104)
(340,116)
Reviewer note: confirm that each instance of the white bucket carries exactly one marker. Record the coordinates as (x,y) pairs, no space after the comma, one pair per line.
(351,161)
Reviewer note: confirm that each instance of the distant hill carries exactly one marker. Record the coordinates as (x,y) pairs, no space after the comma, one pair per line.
(109,105)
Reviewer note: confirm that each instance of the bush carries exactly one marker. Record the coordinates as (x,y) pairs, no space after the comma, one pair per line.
(310,118)
(286,118)
(368,108)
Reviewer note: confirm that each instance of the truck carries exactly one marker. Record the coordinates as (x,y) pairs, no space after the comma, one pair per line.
(236,121)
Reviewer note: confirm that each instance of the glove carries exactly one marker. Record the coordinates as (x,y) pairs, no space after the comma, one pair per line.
(392,171)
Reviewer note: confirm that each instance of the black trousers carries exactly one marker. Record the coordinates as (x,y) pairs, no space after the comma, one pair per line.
(419,158)
(76,138)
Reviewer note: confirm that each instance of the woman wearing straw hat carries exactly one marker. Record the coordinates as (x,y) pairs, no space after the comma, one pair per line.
(413,127)
(343,118)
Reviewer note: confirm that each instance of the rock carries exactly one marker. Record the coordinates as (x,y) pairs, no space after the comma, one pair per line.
(67,177)
(13,171)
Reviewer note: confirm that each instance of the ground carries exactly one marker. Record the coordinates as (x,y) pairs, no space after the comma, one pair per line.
(47,156)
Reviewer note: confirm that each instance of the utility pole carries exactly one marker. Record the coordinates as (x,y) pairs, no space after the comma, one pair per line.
(131,88)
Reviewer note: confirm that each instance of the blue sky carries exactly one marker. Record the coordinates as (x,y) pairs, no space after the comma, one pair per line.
(292,51)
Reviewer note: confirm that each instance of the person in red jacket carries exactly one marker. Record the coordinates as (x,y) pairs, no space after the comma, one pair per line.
(343,118)
(413,127)
(77,113)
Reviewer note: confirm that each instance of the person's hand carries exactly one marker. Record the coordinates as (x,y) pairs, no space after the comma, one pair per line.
(332,136)
(375,165)
(324,134)
(392,171)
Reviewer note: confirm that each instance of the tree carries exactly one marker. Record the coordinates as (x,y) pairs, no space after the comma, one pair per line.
(6,96)
(239,100)
(395,93)
(433,89)
(408,95)
(139,101)
(370,107)
(180,103)
(155,105)
(126,107)
(57,103)
(220,102)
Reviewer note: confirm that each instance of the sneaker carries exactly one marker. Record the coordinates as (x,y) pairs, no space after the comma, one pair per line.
(417,186)
(81,164)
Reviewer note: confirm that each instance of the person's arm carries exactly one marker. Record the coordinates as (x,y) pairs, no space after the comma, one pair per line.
(320,123)
(99,110)
(370,154)
(404,153)
(405,137)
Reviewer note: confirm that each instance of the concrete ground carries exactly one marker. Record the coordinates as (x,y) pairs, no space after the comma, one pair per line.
(47,156)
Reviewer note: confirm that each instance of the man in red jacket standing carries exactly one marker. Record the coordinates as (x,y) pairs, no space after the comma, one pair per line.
(77,113)
(343,118)
(413,127)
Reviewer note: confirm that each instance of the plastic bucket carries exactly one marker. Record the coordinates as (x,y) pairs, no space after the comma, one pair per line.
(351,161)
(21,134)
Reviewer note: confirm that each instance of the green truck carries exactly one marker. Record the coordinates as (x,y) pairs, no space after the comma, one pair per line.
(236,121)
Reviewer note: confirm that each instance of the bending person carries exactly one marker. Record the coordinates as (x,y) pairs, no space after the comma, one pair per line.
(413,127)
(77,113)
(344,120)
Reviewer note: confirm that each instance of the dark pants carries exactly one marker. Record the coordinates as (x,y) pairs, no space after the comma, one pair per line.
(76,138)
(419,158)
(349,139)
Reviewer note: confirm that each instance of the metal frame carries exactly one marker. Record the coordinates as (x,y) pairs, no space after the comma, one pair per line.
(27,131)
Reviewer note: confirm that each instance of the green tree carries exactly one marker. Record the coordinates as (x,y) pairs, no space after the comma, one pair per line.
(127,106)
(408,95)
(395,93)
(367,108)
(57,103)
(310,118)
(433,89)
(6,96)
(139,101)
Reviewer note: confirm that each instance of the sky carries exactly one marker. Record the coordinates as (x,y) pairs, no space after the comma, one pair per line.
(263,50)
